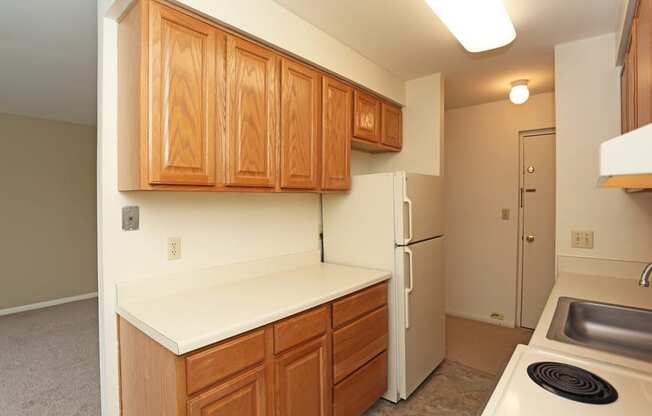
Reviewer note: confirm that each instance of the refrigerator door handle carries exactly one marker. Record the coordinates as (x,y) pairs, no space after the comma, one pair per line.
(408,202)
(409,289)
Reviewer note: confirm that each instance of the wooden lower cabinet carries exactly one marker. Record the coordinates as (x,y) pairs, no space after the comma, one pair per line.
(241,396)
(361,389)
(303,380)
(285,368)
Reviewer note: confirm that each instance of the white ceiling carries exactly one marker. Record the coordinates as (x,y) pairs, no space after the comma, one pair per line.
(406,38)
(48,59)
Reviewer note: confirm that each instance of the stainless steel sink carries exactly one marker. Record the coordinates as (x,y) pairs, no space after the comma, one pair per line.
(617,329)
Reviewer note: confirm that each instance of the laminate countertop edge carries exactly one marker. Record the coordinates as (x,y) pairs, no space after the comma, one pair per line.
(181,322)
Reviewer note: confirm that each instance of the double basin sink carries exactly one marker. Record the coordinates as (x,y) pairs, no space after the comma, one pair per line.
(617,329)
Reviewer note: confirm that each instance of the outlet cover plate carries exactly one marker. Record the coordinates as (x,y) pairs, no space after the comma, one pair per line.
(174,248)
(582,239)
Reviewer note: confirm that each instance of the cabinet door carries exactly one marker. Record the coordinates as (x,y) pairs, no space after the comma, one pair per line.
(252,113)
(241,396)
(644,62)
(336,135)
(366,114)
(303,380)
(624,116)
(182,98)
(300,93)
(392,126)
(632,82)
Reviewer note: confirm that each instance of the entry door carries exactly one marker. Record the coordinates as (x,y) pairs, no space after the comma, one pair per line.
(538,219)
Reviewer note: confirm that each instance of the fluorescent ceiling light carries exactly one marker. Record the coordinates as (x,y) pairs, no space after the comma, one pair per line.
(479,25)
(519,92)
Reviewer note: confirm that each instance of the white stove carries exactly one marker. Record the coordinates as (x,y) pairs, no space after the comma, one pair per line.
(539,382)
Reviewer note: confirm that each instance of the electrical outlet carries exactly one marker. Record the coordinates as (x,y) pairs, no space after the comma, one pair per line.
(582,239)
(497,316)
(504,214)
(174,248)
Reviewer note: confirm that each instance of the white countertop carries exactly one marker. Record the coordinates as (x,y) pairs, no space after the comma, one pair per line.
(516,394)
(196,317)
(605,289)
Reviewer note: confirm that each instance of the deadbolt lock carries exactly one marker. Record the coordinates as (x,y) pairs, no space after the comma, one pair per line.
(530,169)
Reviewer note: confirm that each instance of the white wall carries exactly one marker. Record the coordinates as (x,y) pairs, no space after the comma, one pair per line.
(214,228)
(482,159)
(587,92)
(423,124)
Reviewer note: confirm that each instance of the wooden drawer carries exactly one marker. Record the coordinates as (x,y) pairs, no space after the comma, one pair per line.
(242,396)
(357,343)
(299,328)
(226,359)
(354,306)
(360,391)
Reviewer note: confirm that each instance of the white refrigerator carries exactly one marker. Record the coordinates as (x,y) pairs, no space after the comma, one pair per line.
(394,221)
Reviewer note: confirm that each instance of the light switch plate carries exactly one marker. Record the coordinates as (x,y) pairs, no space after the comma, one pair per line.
(130,218)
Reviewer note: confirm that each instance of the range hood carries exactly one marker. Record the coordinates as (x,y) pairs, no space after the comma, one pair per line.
(626,161)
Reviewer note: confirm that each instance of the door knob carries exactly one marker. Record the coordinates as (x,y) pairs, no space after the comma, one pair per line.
(529,238)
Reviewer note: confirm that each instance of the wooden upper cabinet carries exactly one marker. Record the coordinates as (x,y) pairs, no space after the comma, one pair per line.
(300,135)
(366,118)
(624,128)
(336,135)
(392,126)
(303,380)
(244,395)
(252,114)
(182,91)
(632,82)
(642,31)
(201,108)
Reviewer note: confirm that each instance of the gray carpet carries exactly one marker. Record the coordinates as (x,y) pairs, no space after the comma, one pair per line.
(49,361)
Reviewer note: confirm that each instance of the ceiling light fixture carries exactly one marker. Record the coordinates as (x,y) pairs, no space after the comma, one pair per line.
(519,92)
(479,25)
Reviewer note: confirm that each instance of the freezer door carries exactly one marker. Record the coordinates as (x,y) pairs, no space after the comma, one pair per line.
(421,323)
(420,207)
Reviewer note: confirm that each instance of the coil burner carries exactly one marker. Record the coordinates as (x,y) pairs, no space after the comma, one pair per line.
(572,383)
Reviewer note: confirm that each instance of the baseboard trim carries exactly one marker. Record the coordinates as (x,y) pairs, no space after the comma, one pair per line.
(46,304)
(480,318)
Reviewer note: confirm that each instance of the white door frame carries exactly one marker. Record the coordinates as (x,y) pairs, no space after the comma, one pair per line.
(520,229)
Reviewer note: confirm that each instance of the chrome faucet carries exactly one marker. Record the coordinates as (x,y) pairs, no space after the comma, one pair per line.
(645,276)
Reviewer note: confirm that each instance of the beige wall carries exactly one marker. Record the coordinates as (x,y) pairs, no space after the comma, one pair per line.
(47,210)
(588,113)
(481,159)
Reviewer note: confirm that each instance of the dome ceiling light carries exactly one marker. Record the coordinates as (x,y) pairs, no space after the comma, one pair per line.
(519,92)
(479,25)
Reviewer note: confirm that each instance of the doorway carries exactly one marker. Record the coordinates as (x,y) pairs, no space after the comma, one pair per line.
(536,257)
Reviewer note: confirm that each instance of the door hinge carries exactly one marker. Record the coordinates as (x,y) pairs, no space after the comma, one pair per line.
(520,198)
